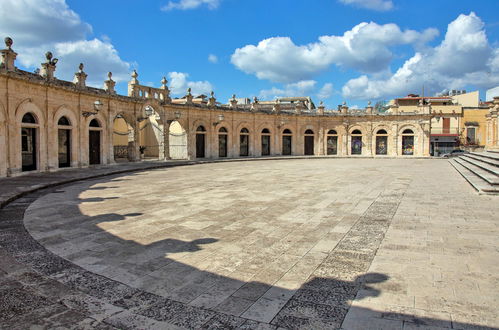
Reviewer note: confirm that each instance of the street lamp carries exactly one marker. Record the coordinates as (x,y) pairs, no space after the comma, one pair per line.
(97,107)
(177,114)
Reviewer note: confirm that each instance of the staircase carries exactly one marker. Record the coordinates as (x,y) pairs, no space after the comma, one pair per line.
(480,169)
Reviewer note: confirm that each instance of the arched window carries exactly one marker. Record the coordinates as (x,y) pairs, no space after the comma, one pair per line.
(222,142)
(332,142)
(309,131)
(287,139)
(356,142)
(200,141)
(408,142)
(28,118)
(64,121)
(309,142)
(94,123)
(265,142)
(244,142)
(381,142)
(29,145)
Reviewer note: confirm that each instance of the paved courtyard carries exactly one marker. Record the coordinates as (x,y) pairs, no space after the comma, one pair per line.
(303,243)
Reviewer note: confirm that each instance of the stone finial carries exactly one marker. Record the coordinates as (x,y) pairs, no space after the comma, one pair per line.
(8,56)
(369,108)
(299,107)
(255,105)
(344,107)
(134,80)
(233,101)
(109,84)
(80,77)
(189,96)
(48,68)
(8,42)
(277,106)
(321,108)
(164,82)
(212,100)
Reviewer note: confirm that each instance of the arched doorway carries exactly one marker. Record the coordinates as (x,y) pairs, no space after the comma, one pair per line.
(408,142)
(309,142)
(287,139)
(200,142)
(123,137)
(332,142)
(265,142)
(94,143)
(177,141)
(244,142)
(64,142)
(356,141)
(381,142)
(29,127)
(222,142)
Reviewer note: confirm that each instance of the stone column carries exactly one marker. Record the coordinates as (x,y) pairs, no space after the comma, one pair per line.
(166,139)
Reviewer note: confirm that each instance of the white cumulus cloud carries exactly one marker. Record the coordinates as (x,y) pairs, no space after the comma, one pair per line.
(213,58)
(464,57)
(38,26)
(179,83)
(378,5)
(365,48)
(326,91)
(300,88)
(190,4)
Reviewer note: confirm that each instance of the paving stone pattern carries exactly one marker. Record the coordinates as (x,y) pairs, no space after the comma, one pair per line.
(312,244)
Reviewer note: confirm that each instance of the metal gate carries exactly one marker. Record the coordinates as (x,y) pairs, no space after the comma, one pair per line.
(178,146)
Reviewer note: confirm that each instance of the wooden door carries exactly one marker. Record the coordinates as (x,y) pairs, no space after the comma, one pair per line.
(94,147)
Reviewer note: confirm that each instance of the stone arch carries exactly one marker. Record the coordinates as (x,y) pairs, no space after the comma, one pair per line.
(304,144)
(223,145)
(103,135)
(151,130)
(265,146)
(356,142)
(244,142)
(382,144)
(122,136)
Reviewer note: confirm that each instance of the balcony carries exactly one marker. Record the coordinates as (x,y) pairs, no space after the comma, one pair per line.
(445,131)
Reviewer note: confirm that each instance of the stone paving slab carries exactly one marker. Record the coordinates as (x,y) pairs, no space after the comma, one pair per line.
(254,245)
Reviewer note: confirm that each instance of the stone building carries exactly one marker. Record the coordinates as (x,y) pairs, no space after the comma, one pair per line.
(47,124)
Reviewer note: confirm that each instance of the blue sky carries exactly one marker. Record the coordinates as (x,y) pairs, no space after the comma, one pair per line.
(331,50)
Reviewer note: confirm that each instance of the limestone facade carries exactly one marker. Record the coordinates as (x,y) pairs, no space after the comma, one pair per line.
(94,119)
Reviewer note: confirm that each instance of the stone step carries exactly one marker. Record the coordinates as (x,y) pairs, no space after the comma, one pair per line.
(475,181)
(487,154)
(478,156)
(485,175)
(486,166)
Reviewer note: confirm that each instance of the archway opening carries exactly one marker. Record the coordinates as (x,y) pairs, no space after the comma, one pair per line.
(151,134)
(265,142)
(94,142)
(123,137)
(244,142)
(287,139)
(309,142)
(381,142)
(201,142)
(408,142)
(177,141)
(29,127)
(332,142)
(222,142)
(64,142)
(356,142)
